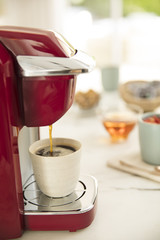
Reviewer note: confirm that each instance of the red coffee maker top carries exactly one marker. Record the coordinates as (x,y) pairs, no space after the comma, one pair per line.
(42,74)
(35,42)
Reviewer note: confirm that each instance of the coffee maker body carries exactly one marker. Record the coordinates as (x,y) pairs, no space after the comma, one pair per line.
(38,72)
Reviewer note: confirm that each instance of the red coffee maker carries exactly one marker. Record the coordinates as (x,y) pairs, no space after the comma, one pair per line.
(38,72)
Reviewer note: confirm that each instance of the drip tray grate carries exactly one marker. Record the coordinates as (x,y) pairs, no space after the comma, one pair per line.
(81,199)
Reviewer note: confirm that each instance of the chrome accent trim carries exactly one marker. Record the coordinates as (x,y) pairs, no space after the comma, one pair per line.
(80,201)
(36,66)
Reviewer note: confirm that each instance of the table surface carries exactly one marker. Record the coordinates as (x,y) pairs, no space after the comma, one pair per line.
(128,205)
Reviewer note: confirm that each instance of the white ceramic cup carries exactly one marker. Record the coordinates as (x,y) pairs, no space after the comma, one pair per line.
(110,78)
(56,176)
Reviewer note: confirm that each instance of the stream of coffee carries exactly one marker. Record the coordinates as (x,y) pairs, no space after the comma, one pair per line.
(50,138)
(59,150)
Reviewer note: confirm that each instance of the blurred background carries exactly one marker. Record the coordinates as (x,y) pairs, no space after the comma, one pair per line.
(118,33)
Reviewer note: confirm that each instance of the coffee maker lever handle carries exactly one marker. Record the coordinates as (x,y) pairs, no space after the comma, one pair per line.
(35,66)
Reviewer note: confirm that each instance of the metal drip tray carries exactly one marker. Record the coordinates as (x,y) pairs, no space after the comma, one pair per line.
(80,201)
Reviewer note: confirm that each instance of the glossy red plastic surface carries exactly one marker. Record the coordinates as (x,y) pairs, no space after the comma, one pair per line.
(47,101)
(34,42)
(43,100)
(11,199)
(71,222)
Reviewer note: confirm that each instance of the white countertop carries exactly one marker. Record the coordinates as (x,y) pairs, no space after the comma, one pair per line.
(128,206)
